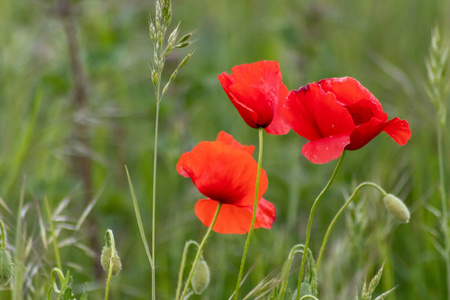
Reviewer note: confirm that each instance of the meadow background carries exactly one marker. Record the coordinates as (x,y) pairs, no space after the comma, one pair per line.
(381,43)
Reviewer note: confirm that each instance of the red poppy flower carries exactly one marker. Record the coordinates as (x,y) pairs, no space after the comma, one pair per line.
(336,114)
(257,92)
(225,172)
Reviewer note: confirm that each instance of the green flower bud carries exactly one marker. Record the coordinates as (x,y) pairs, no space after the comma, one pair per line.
(397,208)
(106,259)
(6,267)
(200,278)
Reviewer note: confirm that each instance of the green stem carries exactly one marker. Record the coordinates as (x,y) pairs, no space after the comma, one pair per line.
(199,251)
(311,215)
(139,219)
(183,263)
(61,279)
(52,232)
(255,206)
(155,154)
(330,227)
(3,244)
(443,194)
(110,242)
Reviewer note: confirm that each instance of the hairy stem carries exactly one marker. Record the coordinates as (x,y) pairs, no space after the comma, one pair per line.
(311,215)
(330,227)
(199,251)
(255,207)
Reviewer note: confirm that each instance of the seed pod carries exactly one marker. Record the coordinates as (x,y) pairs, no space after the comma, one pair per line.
(200,278)
(6,267)
(106,259)
(397,208)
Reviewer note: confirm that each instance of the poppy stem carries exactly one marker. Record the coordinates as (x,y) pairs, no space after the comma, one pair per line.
(255,206)
(199,252)
(330,227)
(311,215)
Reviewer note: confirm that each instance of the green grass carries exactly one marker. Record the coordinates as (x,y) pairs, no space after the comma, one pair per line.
(383,44)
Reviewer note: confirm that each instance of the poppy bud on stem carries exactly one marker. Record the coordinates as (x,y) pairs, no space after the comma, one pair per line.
(393,204)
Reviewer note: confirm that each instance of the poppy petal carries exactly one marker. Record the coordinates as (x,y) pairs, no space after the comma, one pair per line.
(364,133)
(314,114)
(364,110)
(278,126)
(253,89)
(348,90)
(398,130)
(222,172)
(323,150)
(227,139)
(249,115)
(233,218)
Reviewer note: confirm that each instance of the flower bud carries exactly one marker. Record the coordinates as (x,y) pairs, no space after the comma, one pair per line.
(106,260)
(397,208)
(200,278)
(6,267)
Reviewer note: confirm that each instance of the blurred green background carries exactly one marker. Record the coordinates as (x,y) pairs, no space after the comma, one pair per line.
(381,43)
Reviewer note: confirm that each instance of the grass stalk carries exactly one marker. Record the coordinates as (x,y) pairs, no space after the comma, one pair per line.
(199,251)
(255,207)
(139,219)
(437,89)
(112,244)
(311,215)
(19,249)
(53,234)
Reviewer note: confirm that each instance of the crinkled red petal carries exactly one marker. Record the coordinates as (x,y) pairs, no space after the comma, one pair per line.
(222,172)
(278,126)
(364,110)
(228,139)
(398,130)
(233,218)
(348,90)
(323,150)
(314,114)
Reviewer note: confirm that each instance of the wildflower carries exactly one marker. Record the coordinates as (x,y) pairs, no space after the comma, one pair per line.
(225,172)
(338,114)
(257,92)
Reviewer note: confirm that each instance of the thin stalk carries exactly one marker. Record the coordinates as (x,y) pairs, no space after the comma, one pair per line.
(255,206)
(311,215)
(155,155)
(183,263)
(443,194)
(330,227)
(19,248)
(61,279)
(112,244)
(199,251)
(3,240)
(53,233)
(139,219)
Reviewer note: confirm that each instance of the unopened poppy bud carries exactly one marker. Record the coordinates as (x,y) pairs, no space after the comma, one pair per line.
(6,267)
(397,208)
(106,260)
(200,278)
